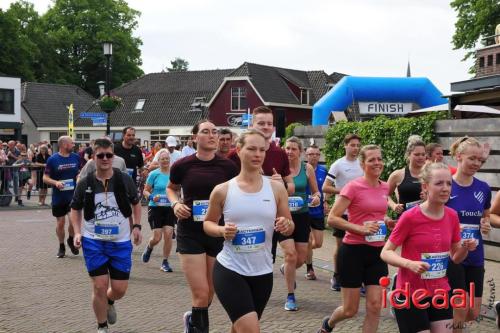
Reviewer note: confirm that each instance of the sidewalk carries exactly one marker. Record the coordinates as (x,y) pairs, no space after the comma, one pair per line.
(41,293)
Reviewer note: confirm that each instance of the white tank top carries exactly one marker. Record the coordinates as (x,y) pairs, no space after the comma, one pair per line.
(249,253)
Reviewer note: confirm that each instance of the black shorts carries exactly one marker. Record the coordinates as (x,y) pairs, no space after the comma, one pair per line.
(359,264)
(114,273)
(461,276)
(317,223)
(302,229)
(159,217)
(339,233)
(61,210)
(415,320)
(197,242)
(241,294)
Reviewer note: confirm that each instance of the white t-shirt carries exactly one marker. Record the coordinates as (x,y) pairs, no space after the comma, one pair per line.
(186,151)
(343,171)
(174,156)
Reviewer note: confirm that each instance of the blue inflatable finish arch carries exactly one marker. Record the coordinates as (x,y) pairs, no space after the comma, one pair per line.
(375,89)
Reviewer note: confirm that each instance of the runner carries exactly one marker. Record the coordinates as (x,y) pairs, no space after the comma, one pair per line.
(111,206)
(161,217)
(197,175)
(253,206)
(434,152)
(471,198)
(130,152)
(316,214)
(359,261)
(427,230)
(225,141)
(341,172)
(295,246)
(60,172)
(40,162)
(276,162)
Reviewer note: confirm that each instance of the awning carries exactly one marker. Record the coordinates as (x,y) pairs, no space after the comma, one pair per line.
(461,108)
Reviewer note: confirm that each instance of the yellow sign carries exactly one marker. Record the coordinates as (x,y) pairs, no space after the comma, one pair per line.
(70,121)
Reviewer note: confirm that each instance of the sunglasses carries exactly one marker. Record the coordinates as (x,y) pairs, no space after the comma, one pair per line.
(102,155)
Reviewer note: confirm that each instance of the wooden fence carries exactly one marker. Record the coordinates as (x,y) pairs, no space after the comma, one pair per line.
(447,131)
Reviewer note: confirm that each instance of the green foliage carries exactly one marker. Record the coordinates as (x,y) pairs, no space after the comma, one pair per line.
(476,19)
(390,134)
(289,131)
(64,44)
(178,65)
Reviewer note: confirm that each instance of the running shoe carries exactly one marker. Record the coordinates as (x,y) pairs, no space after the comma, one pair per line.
(111,314)
(290,304)
(165,266)
(497,311)
(147,253)
(72,247)
(20,203)
(62,251)
(335,285)
(324,326)
(187,321)
(103,330)
(310,275)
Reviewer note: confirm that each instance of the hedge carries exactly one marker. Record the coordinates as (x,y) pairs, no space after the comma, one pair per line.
(390,134)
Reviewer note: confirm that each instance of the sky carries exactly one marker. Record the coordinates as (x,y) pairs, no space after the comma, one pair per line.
(355,37)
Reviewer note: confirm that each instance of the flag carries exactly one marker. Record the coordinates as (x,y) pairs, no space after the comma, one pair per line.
(70,121)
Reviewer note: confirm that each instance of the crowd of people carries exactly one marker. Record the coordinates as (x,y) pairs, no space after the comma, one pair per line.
(230,201)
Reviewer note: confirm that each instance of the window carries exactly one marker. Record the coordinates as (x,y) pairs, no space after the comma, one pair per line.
(139,105)
(481,62)
(238,99)
(83,137)
(160,135)
(198,104)
(6,101)
(490,60)
(498,59)
(54,136)
(304,96)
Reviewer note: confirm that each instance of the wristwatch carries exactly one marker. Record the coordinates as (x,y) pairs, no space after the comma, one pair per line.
(137,226)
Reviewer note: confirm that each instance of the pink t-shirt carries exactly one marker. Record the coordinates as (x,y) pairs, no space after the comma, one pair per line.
(418,234)
(367,204)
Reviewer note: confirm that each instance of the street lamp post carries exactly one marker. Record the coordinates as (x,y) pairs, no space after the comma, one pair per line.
(108,52)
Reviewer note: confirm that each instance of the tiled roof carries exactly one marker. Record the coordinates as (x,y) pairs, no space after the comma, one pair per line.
(168,96)
(271,82)
(47,104)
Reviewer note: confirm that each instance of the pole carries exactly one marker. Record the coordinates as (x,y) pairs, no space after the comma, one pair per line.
(108,79)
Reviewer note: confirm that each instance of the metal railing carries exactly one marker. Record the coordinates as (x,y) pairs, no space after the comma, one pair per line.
(22,185)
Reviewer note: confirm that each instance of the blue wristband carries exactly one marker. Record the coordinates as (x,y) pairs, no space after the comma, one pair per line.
(151,197)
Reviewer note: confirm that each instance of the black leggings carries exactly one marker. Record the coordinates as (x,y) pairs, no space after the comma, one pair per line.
(241,294)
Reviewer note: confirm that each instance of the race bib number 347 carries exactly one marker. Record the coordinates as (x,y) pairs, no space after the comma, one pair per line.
(249,239)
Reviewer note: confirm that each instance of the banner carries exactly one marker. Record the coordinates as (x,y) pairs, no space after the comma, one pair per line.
(70,121)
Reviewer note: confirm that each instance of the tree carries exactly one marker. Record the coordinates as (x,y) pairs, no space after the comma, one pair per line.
(178,65)
(476,19)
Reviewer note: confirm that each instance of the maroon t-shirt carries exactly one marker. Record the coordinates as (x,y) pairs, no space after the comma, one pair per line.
(197,179)
(275,158)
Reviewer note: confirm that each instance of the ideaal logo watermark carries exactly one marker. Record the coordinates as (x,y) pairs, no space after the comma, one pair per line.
(440,299)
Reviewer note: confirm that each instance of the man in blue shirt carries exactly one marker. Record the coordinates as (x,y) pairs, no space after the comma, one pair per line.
(317,214)
(60,172)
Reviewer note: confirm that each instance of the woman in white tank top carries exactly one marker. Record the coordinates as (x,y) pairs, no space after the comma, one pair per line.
(253,207)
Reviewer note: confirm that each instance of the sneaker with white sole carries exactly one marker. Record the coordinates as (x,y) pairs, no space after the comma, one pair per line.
(187,321)
(111,314)
(324,325)
(103,330)
(310,275)
(334,284)
(290,304)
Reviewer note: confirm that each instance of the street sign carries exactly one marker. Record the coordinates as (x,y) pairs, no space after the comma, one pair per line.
(246,119)
(90,115)
(99,121)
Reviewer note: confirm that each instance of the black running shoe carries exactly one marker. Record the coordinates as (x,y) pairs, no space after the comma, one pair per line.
(62,251)
(72,247)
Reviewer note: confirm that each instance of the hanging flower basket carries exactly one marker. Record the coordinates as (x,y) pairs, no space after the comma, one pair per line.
(109,103)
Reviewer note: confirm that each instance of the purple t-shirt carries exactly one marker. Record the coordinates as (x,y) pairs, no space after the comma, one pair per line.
(470,203)
(197,179)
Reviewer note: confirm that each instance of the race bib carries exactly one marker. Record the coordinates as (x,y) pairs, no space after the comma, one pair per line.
(105,230)
(249,239)
(295,203)
(130,172)
(438,263)
(162,201)
(200,208)
(69,184)
(379,236)
(470,231)
(412,204)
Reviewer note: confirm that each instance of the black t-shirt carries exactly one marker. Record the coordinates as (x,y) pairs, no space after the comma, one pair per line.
(88,151)
(197,179)
(133,157)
